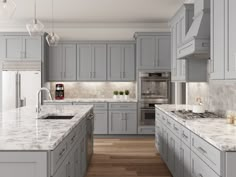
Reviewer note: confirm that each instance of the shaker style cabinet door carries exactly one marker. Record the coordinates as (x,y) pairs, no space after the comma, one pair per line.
(114,62)
(129,62)
(146,52)
(218,42)
(116,122)
(100,122)
(32,48)
(54,64)
(163,55)
(12,47)
(99,56)
(84,62)
(69,62)
(230,65)
(130,125)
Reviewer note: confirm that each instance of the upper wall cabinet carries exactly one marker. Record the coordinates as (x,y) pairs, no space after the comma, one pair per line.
(91,62)
(121,62)
(61,64)
(14,47)
(153,51)
(223,37)
(190,70)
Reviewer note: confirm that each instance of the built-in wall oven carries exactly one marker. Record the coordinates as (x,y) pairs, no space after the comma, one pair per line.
(153,88)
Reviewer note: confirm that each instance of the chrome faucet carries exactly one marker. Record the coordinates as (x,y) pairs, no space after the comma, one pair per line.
(38,104)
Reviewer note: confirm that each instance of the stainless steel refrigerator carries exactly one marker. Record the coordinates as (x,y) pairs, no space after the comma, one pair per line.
(19,88)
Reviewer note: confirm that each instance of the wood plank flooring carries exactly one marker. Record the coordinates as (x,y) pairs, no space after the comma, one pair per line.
(126,157)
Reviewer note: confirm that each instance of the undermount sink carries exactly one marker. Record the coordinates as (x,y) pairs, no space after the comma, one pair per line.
(58,117)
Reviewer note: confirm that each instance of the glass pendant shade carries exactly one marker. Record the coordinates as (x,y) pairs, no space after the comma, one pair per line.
(7,8)
(34,28)
(52,39)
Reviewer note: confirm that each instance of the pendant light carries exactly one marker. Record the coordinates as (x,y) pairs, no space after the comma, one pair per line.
(35,27)
(52,38)
(7,8)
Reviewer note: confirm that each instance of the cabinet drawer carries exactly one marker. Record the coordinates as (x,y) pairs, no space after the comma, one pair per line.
(58,155)
(176,128)
(123,106)
(207,153)
(146,130)
(186,136)
(199,168)
(96,106)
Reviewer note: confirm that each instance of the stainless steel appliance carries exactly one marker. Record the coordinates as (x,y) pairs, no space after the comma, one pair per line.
(154,87)
(90,130)
(189,115)
(59,93)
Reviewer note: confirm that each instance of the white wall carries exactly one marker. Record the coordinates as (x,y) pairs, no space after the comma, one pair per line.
(92,31)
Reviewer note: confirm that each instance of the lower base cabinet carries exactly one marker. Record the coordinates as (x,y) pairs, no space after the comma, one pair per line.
(100,122)
(185,161)
(122,122)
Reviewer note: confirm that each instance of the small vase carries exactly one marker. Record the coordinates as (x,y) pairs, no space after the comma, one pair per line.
(115,97)
(126,97)
(121,97)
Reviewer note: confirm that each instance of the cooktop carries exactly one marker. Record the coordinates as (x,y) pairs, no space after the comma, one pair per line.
(189,115)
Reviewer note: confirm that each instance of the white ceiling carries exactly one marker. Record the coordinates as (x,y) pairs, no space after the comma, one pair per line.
(121,11)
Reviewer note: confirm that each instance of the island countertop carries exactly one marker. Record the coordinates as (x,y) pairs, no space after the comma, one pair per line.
(24,130)
(215,131)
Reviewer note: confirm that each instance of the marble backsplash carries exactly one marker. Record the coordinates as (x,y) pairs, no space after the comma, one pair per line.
(218,96)
(94,89)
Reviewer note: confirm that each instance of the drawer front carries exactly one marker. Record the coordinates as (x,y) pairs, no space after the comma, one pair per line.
(207,153)
(97,106)
(146,131)
(199,168)
(58,156)
(176,128)
(186,136)
(122,106)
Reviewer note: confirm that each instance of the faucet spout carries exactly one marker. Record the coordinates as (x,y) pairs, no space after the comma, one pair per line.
(38,103)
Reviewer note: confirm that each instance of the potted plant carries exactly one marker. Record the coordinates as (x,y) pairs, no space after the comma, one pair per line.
(127,94)
(115,94)
(121,94)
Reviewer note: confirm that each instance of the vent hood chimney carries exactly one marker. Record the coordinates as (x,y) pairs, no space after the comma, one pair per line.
(197,41)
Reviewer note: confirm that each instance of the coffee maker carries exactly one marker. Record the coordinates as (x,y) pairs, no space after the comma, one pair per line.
(59,92)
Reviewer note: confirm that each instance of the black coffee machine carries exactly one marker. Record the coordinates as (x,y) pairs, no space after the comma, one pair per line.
(59,93)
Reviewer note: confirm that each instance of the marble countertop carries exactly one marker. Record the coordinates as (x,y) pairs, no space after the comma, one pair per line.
(23,129)
(88,100)
(215,131)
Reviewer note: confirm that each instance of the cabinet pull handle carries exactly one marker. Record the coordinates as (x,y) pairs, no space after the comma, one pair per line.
(176,128)
(200,175)
(202,150)
(168,122)
(62,152)
(163,118)
(184,136)
(73,139)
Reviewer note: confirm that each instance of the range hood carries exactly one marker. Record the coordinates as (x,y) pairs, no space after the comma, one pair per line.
(196,43)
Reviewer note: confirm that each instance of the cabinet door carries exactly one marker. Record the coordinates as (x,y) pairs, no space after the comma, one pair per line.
(32,48)
(84,62)
(83,157)
(54,68)
(230,65)
(163,55)
(146,52)
(130,118)
(165,144)
(129,62)
(116,122)
(69,62)
(114,62)
(100,122)
(218,45)
(174,53)
(71,163)
(99,62)
(13,47)
(77,159)
(185,159)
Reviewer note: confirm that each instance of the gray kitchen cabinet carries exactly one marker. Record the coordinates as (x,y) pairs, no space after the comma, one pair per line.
(62,63)
(153,51)
(91,62)
(122,122)
(121,62)
(185,161)
(218,44)
(100,122)
(230,62)
(21,47)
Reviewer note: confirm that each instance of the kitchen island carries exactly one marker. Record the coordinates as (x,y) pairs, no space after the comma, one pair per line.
(198,147)
(32,146)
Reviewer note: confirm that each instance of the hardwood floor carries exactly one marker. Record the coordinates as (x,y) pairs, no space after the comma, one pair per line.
(126,157)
